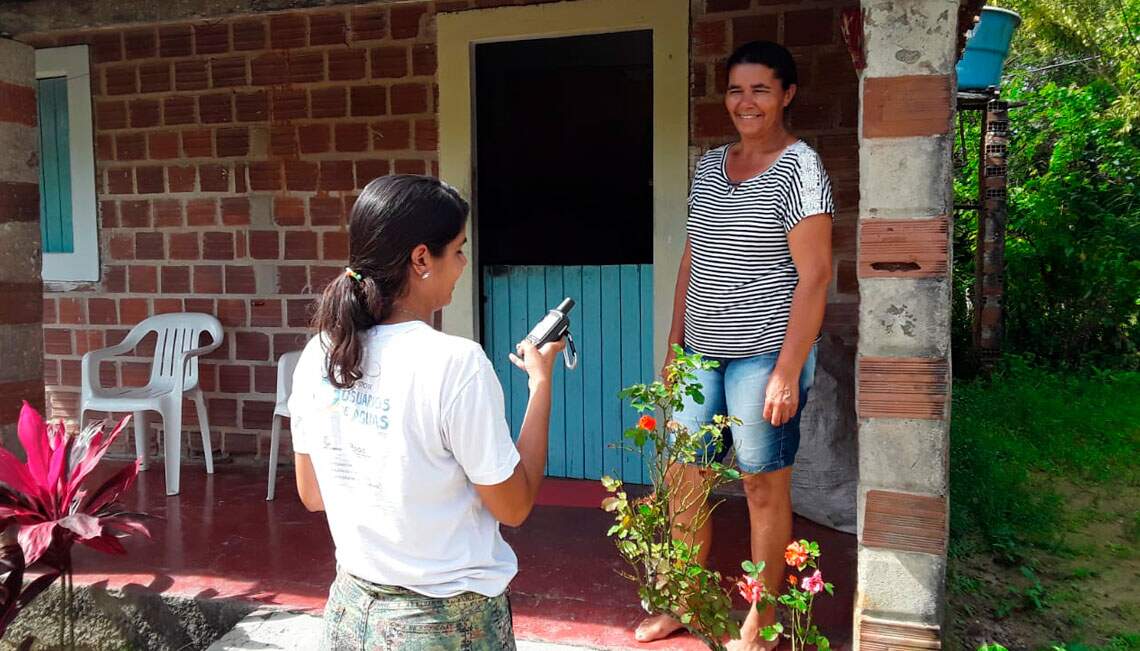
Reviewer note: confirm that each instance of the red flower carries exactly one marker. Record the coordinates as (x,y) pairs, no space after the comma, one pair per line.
(795,555)
(647,422)
(751,589)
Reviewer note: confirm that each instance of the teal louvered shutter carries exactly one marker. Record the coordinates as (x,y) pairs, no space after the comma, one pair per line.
(55,166)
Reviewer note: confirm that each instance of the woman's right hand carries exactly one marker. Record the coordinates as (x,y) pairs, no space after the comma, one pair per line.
(537,362)
(670,355)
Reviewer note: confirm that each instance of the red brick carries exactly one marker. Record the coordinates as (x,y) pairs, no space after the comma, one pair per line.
(711,120)
(89,340)
(217,246)
(176,280)
(111,115)
(232,312)
(121,79)
(427,135)
(49,311)
(326,29)
(410,167)
(162,144)
(289,104)
(264,175)
(140,43)
(264,379)
(325,211)
(229,71)
(329,102)
(223,412)
(178,110)
(286,31)
(320,276)
(208,280)
(256,415)
(122,247)
(714,6)
(201,212)
(369,23)
(215,108)
(284,343)
(106,47)
(249,34)
(370,100)
(102,311)
(233,378)
(232,142)
(406,20)
(71,311)
(352,136)
(198,143)
(167,213)
(753,28)
(265,313)
(301,175)
(269,69)
(288,211)
(298,312)
(334,246)
(809,27)
(51,372)
(149,246)
(366,170)
(292,280)
(240,280)
(252,107)
(337,175)
(190,75)
(184,246)
(214,178)
(389,62)
(133,310)
(120,181)
(346,65)
(235,211)
(199,305)
(211,38)
(134,214)
(917,105)
(283,140)
(710,37)
(306,67)
(154,77)
(57,341)
(115,276)
(149,180)
(181,179)
(424,61)
(409,98)
(108,214)
(174,41)
(252,346)
(300,245)
(130,146)
(142,279)
(314,138)
(264,245)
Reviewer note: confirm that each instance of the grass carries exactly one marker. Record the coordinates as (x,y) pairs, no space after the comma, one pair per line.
(1045,518)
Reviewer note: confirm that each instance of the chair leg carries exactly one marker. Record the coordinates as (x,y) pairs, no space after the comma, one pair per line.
(274,444)
(204,424)
(140,438)
(172,427)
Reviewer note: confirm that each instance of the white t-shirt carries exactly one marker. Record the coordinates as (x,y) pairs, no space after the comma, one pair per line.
(397,457)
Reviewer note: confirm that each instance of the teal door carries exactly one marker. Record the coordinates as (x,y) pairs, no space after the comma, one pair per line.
(612,325)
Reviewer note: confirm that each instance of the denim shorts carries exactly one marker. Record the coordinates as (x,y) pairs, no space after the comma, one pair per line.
(736,388)
(365,616)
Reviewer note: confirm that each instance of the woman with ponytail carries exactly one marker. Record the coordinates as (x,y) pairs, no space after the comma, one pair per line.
(400,436)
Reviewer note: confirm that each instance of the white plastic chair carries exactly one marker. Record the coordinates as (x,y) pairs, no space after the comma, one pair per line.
(173,375)
(285,367)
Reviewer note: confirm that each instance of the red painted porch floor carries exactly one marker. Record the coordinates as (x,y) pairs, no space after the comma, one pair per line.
(220,539)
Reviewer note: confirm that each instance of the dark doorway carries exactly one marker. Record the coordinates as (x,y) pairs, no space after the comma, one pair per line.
(564,148)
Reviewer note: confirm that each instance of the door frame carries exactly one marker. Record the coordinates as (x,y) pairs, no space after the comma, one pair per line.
(459,32)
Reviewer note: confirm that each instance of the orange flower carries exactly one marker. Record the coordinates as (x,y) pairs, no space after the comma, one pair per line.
(792,580)
(795,555)
(647,422)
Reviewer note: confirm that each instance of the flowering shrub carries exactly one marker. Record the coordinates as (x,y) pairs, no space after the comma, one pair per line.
(801,556)
(46,498)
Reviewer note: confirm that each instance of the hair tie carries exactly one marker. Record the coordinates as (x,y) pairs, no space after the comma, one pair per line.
(352,274)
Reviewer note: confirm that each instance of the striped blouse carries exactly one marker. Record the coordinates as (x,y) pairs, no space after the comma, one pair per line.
(742,278)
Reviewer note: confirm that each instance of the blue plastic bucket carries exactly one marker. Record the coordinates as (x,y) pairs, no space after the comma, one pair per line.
(986,49)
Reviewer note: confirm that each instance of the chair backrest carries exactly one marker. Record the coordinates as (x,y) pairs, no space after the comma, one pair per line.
(177,333)
(285,368)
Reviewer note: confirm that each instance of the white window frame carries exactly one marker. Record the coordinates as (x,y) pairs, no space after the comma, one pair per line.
(73,62)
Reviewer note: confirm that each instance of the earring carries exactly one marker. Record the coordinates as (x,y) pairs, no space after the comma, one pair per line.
(426,275)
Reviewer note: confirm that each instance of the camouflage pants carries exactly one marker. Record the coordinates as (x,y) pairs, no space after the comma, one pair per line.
(364,616)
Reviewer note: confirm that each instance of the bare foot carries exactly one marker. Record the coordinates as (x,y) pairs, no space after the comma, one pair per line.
(657,627)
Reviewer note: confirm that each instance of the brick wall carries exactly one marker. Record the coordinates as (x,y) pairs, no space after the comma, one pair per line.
(229,150)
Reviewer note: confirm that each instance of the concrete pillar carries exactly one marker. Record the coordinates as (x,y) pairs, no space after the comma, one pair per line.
(903,366)
(21,289)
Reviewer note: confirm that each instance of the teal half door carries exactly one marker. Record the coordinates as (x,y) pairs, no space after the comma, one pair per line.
(612,325)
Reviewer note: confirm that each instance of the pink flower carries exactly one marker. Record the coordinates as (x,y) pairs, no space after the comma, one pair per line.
(813,583)
(795,555)
(751,589)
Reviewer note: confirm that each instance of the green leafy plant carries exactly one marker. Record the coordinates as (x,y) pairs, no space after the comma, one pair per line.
(798,599)
(659,549)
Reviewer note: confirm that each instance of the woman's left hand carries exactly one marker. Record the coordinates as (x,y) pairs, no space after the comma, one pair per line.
(781,398)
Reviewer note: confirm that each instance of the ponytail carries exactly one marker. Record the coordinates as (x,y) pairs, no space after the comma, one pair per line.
(347,308)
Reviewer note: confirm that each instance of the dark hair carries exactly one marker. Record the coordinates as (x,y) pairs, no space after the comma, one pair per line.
(391,217)
(775,56)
